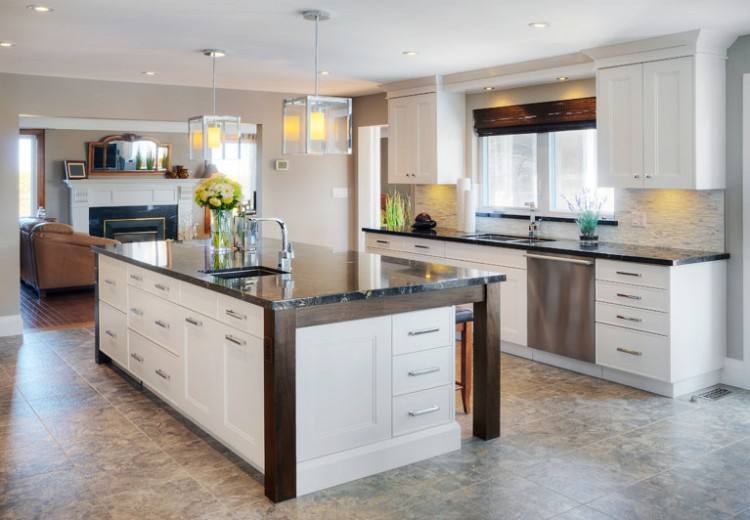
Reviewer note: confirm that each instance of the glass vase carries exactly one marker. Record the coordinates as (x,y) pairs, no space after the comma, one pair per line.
(221,231)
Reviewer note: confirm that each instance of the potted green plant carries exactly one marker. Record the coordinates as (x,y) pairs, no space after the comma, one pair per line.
(397,211)
(138,160)
(150,161)
(587,206)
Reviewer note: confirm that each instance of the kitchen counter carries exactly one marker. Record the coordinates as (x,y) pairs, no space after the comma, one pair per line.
(319,275)
(606,250)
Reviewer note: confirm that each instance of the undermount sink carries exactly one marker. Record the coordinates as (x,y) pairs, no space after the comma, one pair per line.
(493,237)
(244,272)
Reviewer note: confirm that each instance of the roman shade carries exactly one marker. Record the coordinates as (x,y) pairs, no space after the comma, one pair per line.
(551,116)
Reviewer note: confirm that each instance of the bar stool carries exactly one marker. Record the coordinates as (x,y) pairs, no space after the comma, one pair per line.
(465,326)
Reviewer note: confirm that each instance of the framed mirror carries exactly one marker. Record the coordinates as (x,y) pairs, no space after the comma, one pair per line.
(128,154)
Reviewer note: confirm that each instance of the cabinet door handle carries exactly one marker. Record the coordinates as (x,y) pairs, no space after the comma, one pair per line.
(636,176)
(136,357)
(419,246)
(626,273)
(629,296)
(110,334)
(162,287)
(162,324)
(135,311)
(109,282)
(423,331)
(382,242)
(161,373)
(628,351)
(136,278)
(193,321)
(628,318)
(424,411)
(648,176)
(236,315)
(424,371)
(236,341)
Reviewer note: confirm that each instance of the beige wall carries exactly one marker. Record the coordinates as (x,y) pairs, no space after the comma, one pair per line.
(302,196)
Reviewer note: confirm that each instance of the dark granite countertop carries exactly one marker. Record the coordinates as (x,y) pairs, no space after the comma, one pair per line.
(319,275)
(607,250)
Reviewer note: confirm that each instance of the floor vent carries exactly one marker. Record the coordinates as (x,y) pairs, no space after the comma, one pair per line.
(712,395)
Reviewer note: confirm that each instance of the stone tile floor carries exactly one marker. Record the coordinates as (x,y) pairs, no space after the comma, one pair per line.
(78,440)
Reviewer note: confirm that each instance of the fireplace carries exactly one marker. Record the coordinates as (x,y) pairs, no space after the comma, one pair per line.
(134,223)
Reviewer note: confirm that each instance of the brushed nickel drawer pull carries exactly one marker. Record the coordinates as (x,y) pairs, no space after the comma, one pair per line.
(236,315)
(161,373)
(629,296)
(193,321)
(628,318)
(136,357)
(420,246)
(136,278)
(135,311)
(625,273)
(162,287)
(424,371)
(162,324)
(423,331)
(382,242)
(424,411)
(236,341)
(110,334)
(628,351)
(109,282)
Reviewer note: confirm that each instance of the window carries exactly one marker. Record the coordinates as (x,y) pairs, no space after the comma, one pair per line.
(545,169)
(243,170)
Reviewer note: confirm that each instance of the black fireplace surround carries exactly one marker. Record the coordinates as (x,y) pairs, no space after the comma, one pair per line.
(134,223)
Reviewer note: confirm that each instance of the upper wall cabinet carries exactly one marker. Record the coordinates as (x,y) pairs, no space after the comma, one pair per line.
(661,121)
(426,138)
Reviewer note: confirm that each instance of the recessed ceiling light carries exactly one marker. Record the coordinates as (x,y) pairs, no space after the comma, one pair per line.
(149,73)
(40,8)
(409,53)
(214,53)
(562,78)
(6,45)
(538,25)
(489,88)
(324,73)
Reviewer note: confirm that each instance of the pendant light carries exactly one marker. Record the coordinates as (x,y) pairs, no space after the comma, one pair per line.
(317,124)
(214,138)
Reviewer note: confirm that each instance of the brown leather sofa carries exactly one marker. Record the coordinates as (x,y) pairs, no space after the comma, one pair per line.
(53,257)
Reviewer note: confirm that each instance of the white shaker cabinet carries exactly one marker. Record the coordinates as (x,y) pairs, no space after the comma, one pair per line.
(660,124)
(425,138)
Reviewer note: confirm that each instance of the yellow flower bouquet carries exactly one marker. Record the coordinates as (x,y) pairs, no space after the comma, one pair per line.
(221,195)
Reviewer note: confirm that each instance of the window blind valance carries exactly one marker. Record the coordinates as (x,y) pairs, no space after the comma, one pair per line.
(552,116)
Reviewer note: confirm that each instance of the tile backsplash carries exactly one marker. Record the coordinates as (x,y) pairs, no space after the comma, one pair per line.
(674,218)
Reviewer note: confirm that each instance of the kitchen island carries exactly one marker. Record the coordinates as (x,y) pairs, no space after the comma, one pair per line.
(339,369)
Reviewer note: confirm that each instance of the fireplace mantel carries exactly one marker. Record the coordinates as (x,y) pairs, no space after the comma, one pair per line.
(128,191)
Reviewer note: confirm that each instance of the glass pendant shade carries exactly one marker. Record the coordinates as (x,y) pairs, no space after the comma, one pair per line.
(214,138)
(317,125)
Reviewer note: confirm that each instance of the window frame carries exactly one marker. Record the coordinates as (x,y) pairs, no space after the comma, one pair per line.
(38,134)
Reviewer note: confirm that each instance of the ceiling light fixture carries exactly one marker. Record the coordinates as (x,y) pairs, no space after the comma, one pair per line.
(324,73)
(489,88)
(6,45)
(40,8)
(214,137)
(409,53)
(149,73)
(538,25)
(562,78)
(317,124)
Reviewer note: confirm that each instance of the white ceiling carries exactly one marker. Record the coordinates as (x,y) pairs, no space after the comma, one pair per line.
(269,45)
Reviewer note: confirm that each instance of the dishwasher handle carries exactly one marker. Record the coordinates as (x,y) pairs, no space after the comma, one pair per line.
(560,259)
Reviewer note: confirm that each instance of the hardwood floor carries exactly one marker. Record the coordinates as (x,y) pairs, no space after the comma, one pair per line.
(57,311)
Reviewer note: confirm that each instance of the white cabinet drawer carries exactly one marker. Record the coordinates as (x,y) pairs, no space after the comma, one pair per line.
(420,410)
(486,254)
(138,351)
(113,282)
(632,351)
(632,318)
(421,330)
(154,283)
(633,296)
(421,246)
(113,333)
(241,315)
(156,319)
(163,373)
(422,370)
(199,299)
(632,273)
(380,241)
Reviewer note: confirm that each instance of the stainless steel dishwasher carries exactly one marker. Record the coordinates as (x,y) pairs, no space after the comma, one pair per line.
(560,304)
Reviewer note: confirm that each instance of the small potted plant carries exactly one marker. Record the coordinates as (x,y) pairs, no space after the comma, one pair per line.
(396,213)
(587,206)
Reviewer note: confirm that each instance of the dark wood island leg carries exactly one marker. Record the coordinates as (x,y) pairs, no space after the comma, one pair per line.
(487,364)
(280,428)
